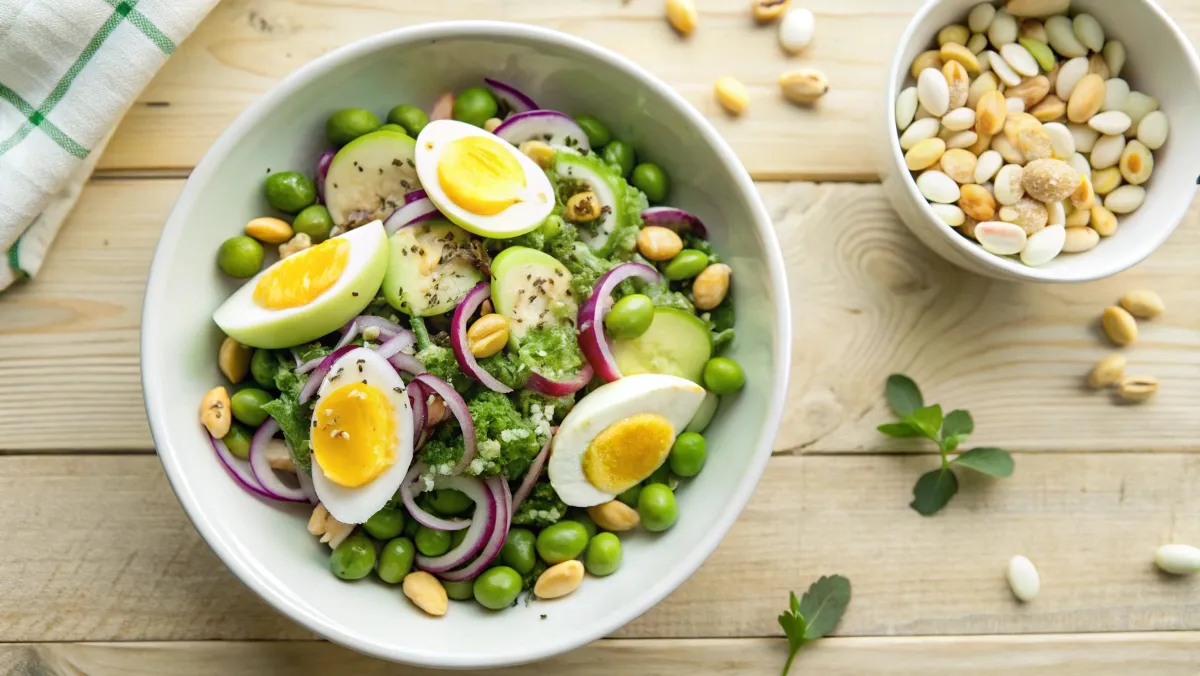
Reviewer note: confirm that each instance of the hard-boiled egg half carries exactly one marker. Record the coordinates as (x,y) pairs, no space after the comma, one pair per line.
(362,436)
(618,435)
(481,182)
(310,293)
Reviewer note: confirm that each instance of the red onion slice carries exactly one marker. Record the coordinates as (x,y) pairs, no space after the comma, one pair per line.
(458,338)
(561,388)
(406,363)
(415,195)
(393,345)
(261,466)
(457,406)
(323,162)
(516,100)
(531,476)
(314,379)
(417,396)
(421,516)
(483,523)
(498,486)
(306,485)
(674,219)
(239,469)
(592,340)
(419,210)
(387,329)
(550,126)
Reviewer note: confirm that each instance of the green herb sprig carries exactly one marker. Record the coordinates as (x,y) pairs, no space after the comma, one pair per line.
(934,489)
(815,614)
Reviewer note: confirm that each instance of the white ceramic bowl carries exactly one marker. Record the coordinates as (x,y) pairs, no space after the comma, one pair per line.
(266,544)
(1161,63)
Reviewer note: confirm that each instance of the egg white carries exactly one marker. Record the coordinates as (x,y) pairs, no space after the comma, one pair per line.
(517,219)
(356,505)
(676,399)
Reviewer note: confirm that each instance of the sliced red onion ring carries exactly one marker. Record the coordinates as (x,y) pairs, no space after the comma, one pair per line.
(406,363)
(415,195)
(498,486)
(387,329)
(239,469)
(550,126)
(261,466)
(323,162)
(458,407)
(516,100)
(560,388)
(392,346)
(414,212)
(422,517)
(319,373)
(417,396)
(306,485)
(592,340)
(674,219)
(483,523)
(531,476)
(458,338)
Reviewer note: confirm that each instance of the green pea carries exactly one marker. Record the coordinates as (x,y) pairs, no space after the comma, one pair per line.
(597,132)
(563,541)
(459,591)
(348,124)
(315,222)
(518,550)
(497,587)
(722,375)
(247,405)
(685,265)
(412,118)
(238,440)
(656,507)
(432,542)
(630,317)
(411,526)
(475,106)
(620,155)
(687,454)
(659,476)
(290,191)
(583,519)
(652,180)
(449,502)
(392,126)
(396,560)
(263,366)
(385,524)
(603,555)
(354,558)
(240,256)
(630,496)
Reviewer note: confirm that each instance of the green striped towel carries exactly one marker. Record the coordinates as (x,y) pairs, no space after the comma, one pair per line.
(69,70)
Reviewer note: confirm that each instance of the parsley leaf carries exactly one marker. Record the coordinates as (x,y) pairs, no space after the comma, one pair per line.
(989,461)
(900,430)
(957,426)
(928,420)
(933,490)
(903,395)
(814,615)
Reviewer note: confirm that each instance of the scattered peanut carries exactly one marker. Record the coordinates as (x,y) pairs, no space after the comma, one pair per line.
(958,84)
(559,580)
(804,86)
(1137,389)
(296,244)
(614,516)
(766,11)
(426,592)
(488,335)
(583,207)
(682,15)
(1103,221)
(963,55)
(234,360)
(1107,372)
(657,243)
(711,286)
(1119,325)
(731,94)
(214,412)
(269,230)
(977,202)
(1143,304)
(1048,180)
(331,530)
(492,124)
(541,153)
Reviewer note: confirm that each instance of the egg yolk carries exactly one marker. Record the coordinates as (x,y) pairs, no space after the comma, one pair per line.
(300,278)
(481,175)
(627,452)
(354,434)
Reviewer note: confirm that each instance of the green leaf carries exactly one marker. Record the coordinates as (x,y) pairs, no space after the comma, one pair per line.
(794,627)
(823,604)
(958,423)
(928,420)
(900,430)
(903,395)
(933,490)
(989,461)
(794,603)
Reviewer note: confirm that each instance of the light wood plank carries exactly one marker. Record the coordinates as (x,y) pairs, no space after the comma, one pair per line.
(1175,654)
(97,548)
(868,299)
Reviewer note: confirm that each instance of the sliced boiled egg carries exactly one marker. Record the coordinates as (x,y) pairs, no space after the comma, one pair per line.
(362,432)
(481,182)
(310,293)
(618,435)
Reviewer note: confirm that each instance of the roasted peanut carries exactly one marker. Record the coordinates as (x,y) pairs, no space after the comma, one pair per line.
(657,243)
(766,11)
(583,207)
(803,86)
(1049,109)
(488,335)
(977,202)
(614,516)
(1137,389)
(214,412)
(234,360)
(559,580)
(682,16)
(1119,325)
(426,592)
(541,153)
(990,114)
(492,124)
(331,530)
(1143,304)
(929,59)
(952,51)
(1108,371)
(269,230)
(731,94)
(296,244)
(711,286)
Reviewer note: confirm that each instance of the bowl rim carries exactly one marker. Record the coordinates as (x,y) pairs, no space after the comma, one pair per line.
(155,391)
(976,253)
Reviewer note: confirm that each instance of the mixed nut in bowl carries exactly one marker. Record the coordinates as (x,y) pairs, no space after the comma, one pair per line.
(1033,139)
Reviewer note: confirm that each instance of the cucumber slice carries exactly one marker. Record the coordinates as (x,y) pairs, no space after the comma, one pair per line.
(532,289)
(369,177)
(610,193)
(430,268)
(677,344)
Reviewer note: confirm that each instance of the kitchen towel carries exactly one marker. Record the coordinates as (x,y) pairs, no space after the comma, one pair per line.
(69,70)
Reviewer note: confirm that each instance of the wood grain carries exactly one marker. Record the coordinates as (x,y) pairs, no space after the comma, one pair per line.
(245,46)
(868,299)
(96,548)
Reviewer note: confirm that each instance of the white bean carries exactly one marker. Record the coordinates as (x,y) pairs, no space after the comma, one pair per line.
(1178,559)
(1137,106)
(962,139)
(987,165)
(919,131)
(959,119)
(1069,76)
(1107,151)
(1023,578)
(1000,238)
(933,91)
(1085,137)
(1003,30)
(1057,214)
(981,17)
(1061,140)
(1080,163)
(906,108)
(938,187)
(1111,123)
(796,30)
(977,43)
(1126,199)
(1089,31)
(1061,32)
(1080,239)
(1044,246)
(1003,71)
(1114,56)
(1009,187)
(1153,130)
(1015,104)
(1020,59)
(950,214)
(1115,92)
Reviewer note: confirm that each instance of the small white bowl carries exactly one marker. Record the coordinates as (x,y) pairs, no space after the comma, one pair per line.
(266,544)
(1161,63)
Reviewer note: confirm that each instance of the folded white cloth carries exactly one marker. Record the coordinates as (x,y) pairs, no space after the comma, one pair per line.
(69,70)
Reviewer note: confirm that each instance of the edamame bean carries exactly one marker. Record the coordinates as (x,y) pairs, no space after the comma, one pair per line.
(630,317)
(396,560)
(603,555)
(652,180)
(263,367)
(563,541)
(354,558)
(247,404)
(290,191)
(685,265)
(449,502)
(240,256)
(346,125)
(412,118)
(238,440)
(432,542)
(475,106)
(385,524)
(630,497)
(497,587)
(620,155)
(687,454)
(656,507)
(597,132)
(723,375)
(518,551)
(315,222)
(411,526)
(584,520)
(459,591)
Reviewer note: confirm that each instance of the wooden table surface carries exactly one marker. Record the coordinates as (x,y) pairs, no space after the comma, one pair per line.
(101,572)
